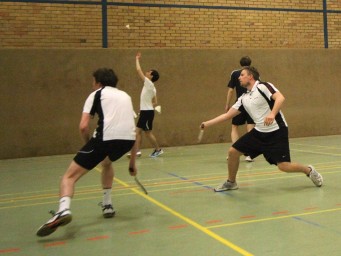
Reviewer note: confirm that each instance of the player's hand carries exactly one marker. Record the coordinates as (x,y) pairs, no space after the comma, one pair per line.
(269,120)
(202,126)
(132,170)
(138,55)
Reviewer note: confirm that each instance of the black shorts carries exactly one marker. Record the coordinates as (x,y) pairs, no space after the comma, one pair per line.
(273,145)
(242,118)
(94,152)
(145,121)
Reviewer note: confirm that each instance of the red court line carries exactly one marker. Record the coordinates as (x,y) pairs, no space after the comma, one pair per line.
(282,212)
(248,217)
(97,238)
(178,226)
(139,232)
(9,250)
(55,244)
(310,208)
(213,221)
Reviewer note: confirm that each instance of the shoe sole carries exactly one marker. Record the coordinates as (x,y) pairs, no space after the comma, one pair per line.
(139,155)
(49,228)
(225,189)
(109,215)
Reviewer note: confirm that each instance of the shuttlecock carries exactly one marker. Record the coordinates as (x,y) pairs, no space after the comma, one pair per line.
(127,26)
(158,109)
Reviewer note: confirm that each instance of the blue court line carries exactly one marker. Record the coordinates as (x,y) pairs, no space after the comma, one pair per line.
(199,184)
(316,225)
(194,182)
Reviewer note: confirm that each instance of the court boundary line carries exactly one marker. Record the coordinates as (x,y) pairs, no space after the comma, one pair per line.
(186,219)
(273,218)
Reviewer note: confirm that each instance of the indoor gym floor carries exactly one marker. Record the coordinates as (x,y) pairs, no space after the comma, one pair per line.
(272,213)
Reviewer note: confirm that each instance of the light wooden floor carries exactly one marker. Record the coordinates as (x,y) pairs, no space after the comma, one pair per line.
(273,213)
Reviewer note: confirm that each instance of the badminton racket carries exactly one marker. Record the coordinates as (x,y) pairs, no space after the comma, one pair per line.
(140,185)
(131,170)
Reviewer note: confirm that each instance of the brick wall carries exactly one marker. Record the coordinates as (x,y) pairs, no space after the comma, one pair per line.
(170,24)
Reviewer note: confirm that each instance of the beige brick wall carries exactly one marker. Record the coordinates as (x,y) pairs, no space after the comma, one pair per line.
(178,26)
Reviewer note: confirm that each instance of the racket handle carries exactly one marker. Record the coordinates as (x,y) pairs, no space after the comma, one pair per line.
(201,134)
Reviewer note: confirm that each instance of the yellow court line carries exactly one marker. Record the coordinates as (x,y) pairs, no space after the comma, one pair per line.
(184,218)
(189,221)
(315,152)
(273,218)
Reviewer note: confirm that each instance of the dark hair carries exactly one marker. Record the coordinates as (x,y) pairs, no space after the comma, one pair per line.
(253,71)
(155,75)
(106,77)
(245,61)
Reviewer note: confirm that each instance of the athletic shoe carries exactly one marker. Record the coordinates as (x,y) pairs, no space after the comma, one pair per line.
(315,176)
(138,154)
(61,218)
(108,210)
(249,159)
(227,185)
(156,153)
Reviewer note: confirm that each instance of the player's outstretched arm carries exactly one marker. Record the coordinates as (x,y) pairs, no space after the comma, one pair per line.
(138,66)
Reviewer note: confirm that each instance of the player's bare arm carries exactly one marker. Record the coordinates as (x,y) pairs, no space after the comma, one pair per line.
(228,98)
(138,66)
(84,127)
(224,117)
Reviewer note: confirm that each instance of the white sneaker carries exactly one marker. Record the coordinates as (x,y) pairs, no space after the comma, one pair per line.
(156,153)
(249,159)
(138,154)
(108,211)
(61,218)
(315,176)
(227,185)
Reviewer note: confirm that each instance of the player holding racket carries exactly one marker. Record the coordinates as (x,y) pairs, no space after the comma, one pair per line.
(113,137)
(148,101)
(262,102)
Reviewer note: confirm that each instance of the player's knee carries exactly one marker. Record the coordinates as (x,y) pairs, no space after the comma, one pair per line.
(234,152)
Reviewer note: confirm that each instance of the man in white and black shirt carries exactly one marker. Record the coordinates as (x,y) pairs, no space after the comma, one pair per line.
(148,102)
(262,102)
(113,137)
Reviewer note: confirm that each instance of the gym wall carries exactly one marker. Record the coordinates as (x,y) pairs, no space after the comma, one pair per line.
(43,92)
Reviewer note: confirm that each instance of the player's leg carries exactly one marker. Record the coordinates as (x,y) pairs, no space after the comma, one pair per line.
(233,165)
(63,215)
(279,153)
(107,177)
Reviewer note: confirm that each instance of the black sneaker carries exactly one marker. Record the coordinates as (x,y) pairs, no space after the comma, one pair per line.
(59,219)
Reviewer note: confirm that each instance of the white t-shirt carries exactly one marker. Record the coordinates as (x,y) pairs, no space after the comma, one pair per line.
(147,95)
(116,114)
(258,104)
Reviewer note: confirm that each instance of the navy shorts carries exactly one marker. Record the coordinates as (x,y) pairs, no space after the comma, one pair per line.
(242,118)
(145,121)
(95,151)
(273,145)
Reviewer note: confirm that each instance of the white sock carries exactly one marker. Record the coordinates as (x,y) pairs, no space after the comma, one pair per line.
(106,196)
(64,203)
